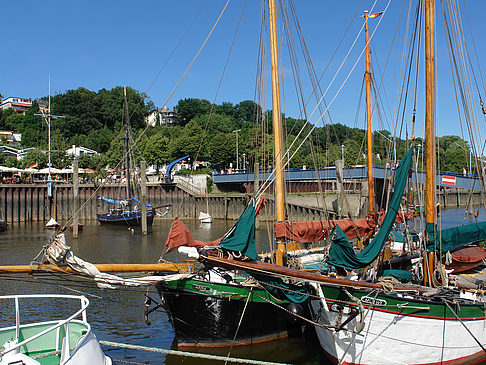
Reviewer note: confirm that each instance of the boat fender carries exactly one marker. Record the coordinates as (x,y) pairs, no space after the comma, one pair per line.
(294,310)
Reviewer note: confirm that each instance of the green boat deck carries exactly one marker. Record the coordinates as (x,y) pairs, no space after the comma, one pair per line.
(50,343)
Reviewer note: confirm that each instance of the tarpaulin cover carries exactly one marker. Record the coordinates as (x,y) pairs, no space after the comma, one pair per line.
(315,231)
(119,202)
(342,254)
(282,290)
(401,275)
(455,237)
(469,254)
(242,236)
(179,235)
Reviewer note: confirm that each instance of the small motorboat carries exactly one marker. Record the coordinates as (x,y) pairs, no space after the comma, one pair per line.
(67,341)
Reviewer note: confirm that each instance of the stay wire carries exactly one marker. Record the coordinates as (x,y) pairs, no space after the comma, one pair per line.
(220,82)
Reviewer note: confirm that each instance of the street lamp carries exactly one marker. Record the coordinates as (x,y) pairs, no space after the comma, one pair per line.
(342,153)
(236,131)
(47,119)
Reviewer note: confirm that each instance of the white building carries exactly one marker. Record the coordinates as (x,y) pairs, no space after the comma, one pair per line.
(165,117)
(79,150)
(12,152)
(21,105)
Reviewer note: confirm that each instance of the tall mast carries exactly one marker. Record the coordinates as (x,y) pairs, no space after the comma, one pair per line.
(430,116)
(127,158)
(277,128)
(368,116)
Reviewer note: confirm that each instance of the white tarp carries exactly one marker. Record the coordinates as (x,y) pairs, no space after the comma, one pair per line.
(9,169)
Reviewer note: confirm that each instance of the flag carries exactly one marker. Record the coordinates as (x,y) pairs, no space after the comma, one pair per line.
(374,15)
(33,165)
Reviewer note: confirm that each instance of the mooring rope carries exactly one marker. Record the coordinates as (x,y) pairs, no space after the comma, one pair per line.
(238,328)
(189,354)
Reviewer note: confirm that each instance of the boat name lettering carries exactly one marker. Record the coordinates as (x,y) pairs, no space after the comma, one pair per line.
(373,301)
(200,287)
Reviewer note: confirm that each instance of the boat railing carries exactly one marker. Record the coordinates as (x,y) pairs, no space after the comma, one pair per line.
(65,322)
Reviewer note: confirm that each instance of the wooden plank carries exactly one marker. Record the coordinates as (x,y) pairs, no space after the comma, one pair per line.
(170,267)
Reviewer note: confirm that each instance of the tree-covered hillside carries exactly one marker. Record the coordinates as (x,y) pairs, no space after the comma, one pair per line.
(205,132)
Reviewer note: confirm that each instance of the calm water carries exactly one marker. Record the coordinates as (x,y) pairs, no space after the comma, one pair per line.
(117,315)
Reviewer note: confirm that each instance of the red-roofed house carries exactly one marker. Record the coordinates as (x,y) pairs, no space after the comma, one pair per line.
(21,105)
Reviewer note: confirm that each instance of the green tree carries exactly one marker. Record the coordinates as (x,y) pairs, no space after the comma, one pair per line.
(156,150)
(249,112)
(35,156)
(188,143)
(188,108)
(222,150)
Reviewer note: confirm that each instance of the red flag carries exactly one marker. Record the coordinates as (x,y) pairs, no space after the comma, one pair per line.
(33,165)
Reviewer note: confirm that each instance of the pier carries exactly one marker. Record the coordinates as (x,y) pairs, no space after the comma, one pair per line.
(24,203)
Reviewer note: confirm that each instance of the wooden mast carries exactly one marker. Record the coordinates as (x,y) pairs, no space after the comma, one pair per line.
(368,117)
(429,122)
(279,183)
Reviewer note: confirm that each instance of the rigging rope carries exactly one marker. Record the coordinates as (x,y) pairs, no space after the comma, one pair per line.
(276,173)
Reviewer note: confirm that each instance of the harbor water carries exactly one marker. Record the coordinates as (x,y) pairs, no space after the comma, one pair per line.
(118,315)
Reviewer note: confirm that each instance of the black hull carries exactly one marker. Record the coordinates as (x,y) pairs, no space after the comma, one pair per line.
(132,219)
(201,320)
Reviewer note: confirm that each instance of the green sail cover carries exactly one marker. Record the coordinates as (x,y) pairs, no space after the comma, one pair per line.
(242,236)
(342,254)
(455,237)
(402,275)
(284,291)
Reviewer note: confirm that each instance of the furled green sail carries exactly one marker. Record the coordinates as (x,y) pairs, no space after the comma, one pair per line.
(455,237)
(342,254)
(242,236)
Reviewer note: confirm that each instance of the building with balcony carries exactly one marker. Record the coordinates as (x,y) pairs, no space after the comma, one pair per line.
(21,105)
(10,138)
(165,117)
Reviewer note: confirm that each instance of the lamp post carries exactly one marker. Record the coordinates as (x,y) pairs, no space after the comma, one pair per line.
(47,119)
(342,153)
(236,131)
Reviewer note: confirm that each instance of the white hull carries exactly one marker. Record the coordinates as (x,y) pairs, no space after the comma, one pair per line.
(205,218)
(391,338)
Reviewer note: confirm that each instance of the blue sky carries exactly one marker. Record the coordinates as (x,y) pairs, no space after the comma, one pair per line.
(105,44)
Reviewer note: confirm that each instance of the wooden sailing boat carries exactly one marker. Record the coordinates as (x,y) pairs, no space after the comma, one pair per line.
(128,211)
(246,314)
(382,328)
